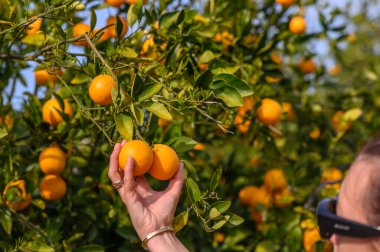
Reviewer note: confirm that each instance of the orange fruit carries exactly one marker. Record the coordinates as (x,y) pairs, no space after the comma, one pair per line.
(332,174)
(52,160)
(78,30)
(135,1)
(8,120)
(335,70)
(245,194)
(16,196)
(162,123)
(269,111)
(258,217)
(102,38)
(50,113)
(288,109)
(241,124)
(274,179)
(297,25)
(282,198)
(315,133)
(253,195)
(148,45)
(115,3)
(351,37)
(44,77)
(111,31)
(34,27)
(338,123)
(142,154)
(219,237)
(311,237)
(307,66)
(199,147)
(52,187)
(100,89)
(276,58)
(203,66)
(165,162)
(272,80)
(285,3)
(225,37)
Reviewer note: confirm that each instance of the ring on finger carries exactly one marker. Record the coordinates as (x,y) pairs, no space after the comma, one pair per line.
(118,184)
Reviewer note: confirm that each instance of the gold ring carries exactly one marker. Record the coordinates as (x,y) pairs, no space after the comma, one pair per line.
(118,184)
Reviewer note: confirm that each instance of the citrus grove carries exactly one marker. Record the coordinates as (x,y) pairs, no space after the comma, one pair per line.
(237,90)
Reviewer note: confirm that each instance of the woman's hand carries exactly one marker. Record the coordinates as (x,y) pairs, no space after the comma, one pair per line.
(149,209)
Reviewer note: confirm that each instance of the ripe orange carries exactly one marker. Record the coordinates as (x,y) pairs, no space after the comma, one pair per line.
(34,27)
(338,123)
(315,133)
(285,3)
(282,198)
(199,147)
(115,3)
(165,162)
(111,31)
(52,160)
(335,70)
(44,77)
(332,174)
(100,89)
(258,217)
(276,58)
(275,180)
(148,45)
(78,30)
(16,196)
(242,124)
(297,25)
(202,66)
(50,113)
(245,194)
(272,80)
(311,237)
(162,123)
(288,109)
(269,111)
(8,120)
(135,1)
(52,187)
(141,153)
(225,37)
(253,195)
(307,66)
(219,237)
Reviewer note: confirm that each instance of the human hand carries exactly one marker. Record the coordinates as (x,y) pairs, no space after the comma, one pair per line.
(149,209)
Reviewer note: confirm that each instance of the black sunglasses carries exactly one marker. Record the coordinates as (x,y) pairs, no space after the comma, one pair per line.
(329,223)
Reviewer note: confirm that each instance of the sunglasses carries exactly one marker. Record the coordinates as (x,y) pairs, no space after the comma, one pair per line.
(329,223)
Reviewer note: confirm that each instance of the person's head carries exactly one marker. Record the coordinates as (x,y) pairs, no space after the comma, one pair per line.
(359,198)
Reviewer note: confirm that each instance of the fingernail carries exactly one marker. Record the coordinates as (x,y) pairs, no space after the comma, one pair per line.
(124,141)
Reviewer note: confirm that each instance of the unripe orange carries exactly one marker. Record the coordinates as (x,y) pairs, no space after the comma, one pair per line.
(297,25)
(165,162)
(52,187)
(100,89)
(269,111)
(50,113)
(52,160)
(142,154)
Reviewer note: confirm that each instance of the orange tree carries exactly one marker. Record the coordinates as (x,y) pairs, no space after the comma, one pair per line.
(232,86)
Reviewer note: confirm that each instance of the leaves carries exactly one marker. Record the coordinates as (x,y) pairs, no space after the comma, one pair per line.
(158,109)
(218,208)
(149,91)
(193,190)
(124,125)
(6,221)
(216,178)
(180,221)
(182,144)
(3,133)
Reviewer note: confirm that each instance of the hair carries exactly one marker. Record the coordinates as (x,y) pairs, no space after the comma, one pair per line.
(371,154)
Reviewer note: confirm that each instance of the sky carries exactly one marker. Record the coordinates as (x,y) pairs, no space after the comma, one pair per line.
(318,47)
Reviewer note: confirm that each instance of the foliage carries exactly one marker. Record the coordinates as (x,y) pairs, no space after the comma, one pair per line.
(184,76)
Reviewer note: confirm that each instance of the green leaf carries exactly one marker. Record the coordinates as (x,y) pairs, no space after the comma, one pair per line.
(138,114)
(93,20)
(167,20)
(149,91)
(182,144)
(218,208)
(235,220)
(206,57)
(193,190)
(229,95)
(158,109)
(5,9)
(181,18)
(218,66)
(352,114)
(39,203)
(180,221)
(80,79)
(133,14)
(3,133)
(119,26)
(89,248)
(6,221)
(267,246)
(35,246)
(204,80)
(243,88)
(220,223)
(124,125)
(35,40)
(128,53)
(216,178)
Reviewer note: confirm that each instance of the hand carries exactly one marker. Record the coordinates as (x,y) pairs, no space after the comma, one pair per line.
(149,209)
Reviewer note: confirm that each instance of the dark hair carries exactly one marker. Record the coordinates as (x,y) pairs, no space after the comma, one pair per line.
(371,151)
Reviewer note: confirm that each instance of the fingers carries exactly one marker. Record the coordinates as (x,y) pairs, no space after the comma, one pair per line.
(129,182)
(113,172)
(176,183)
(142,186)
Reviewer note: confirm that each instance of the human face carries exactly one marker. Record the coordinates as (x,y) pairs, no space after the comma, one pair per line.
(352,205)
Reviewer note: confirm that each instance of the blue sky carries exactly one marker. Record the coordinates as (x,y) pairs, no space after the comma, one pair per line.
(319,47)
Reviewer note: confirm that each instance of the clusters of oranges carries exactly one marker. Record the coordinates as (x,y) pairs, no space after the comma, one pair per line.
(161,161)
(274,191)
(52,161)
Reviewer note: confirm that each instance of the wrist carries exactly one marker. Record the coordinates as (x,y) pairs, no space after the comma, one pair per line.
(166,241)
